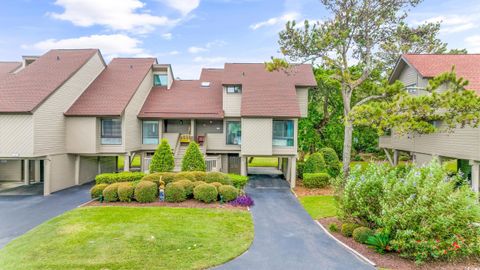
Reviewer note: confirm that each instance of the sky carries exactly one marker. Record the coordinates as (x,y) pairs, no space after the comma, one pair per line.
(191,34)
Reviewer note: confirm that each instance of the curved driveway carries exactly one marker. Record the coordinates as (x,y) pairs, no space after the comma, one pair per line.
(286,237)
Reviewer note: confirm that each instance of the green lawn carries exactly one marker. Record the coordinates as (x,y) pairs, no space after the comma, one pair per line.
(132,238)
(319,206)
(264,162)
(135,162)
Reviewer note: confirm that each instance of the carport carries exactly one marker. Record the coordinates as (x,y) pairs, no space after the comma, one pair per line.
(284,166)
(17,174)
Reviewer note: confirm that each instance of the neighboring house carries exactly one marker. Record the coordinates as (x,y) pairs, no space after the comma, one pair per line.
(414,70)
(66,116)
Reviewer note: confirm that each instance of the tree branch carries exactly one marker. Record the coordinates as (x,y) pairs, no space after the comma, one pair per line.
(370,98)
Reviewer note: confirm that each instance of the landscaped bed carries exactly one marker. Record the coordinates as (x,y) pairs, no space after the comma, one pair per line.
(132,238)
(184,204)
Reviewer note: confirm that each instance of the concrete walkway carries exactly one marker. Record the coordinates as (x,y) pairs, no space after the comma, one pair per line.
(286,237)
(19,214)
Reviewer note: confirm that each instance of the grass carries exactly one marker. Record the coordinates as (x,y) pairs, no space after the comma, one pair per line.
(320,206)
(264,162)
(132,238)
(135,162)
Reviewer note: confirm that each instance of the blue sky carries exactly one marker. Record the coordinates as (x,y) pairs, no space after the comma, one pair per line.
(190,34)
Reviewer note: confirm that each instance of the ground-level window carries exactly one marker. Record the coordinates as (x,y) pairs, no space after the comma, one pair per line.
(160,79)
(234,132)
(150,132)
(283,133)
(111,131)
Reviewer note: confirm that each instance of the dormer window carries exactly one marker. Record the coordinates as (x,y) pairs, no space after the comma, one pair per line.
(160,79)
(234,89)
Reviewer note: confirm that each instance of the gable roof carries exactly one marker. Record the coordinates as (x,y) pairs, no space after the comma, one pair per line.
(110,93)
(267,93)
(7,67)
(431,65)
(24,91)
(187,98)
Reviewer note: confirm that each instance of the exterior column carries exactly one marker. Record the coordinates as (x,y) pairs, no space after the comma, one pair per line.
(26,171)
(293,172)
(47,176)
(475,176)
(126,163)
(243,165)
(192,128)
(99,165)
(280,163)
(77,170)
(395,157)
(289,169)
(37,171)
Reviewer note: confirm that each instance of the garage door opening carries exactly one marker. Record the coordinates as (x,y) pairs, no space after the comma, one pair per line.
(264,165)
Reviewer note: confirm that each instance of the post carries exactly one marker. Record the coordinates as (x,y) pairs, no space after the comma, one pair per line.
(99,165)
(77,170)
(395,157)
(289,169)
(475,176)
(293,173)
(280,163)
(192,128)
(47,164)
(243,165)
(26,171)
(37,171)
(126,163)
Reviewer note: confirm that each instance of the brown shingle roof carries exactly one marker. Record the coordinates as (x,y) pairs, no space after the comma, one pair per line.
(27,89)
(111,91)
(7,67)
(187,99)
(269,93)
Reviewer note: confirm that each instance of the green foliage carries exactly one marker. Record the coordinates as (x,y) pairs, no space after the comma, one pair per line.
(187,185)
(300,169)
(110,178)
(199,176)
(175,192)
(206,193)
(315,164)
(166,177)
(218,177)
(331,161)
(333,227)
(125,191)
(228,193)
(239,181)
(197,183)
(380,241)
(145,192)
(97,190)
(110,193)
(361,234)
(348,228)
(185,175)
(154,177)
(193,159)
(216,184)
(162,160)
(316,180)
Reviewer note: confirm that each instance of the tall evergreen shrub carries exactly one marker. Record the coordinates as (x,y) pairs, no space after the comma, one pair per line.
(162,160)
(193,159)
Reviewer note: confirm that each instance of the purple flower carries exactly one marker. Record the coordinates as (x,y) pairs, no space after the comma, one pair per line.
(243,200)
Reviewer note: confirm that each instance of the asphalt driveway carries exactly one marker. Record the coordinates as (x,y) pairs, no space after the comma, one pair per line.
(19,214)
(286,237)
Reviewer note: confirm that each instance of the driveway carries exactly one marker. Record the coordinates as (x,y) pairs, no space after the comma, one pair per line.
(286,237)
(19,214)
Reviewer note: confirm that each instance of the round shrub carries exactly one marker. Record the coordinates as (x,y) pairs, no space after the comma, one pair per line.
(110,193)
(197,183)
(315,164)
(125,191)
(331,161)
(205,193)
(333,227)
(316,180)
(154,177)
(218,177)
(175,192)
(146,192)
(187,185)
(239,181)
(228,193)
(347,229)
(166,177)
(97,190)
(216,184)
(199,175)
(361,234)
(185,175)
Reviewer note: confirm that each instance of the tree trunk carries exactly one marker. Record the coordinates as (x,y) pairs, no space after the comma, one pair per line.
(347,148)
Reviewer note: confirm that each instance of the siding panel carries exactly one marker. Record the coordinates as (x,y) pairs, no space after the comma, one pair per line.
(302,98)
(257,136)
(16,135)
(11,170)
(232,104)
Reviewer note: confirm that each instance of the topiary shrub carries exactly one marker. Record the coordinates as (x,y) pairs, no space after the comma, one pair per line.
(146,192)
(239,181)
(361,234)
(110,193)
(187,185)
(315,164)
(347,229)
(175,192)
(110,178)
(216,184)
(199,176)
(193,159)
(206,193)
(97,190)
(125,191)
(162,160)
(331,161)
(228,193)
(218,177)
(154,177)
(185,175)
(316,180)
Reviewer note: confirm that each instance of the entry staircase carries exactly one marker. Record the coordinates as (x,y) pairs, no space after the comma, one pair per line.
(180,152)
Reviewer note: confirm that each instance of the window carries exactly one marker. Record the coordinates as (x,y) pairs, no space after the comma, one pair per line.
(111,131)
(150,132)
(160,79)
(283,133)
(234,132)
(411,88)
(234,89)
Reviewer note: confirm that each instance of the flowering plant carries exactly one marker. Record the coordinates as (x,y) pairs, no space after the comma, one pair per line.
(242,200)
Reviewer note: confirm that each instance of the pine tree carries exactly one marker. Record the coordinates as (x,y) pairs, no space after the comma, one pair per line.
(162,160)
(193,159)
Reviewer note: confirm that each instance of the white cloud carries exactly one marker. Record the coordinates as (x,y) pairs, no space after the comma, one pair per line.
(183,6)
(473,44)
(195,49)
(453,23)
(127,15)
(174,53)
(210,60)
(276,20)
(212,44)
(110,45)
(167,36)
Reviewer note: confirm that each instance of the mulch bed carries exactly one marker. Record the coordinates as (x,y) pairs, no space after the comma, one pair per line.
(185,204)
(302,191)
(392,260)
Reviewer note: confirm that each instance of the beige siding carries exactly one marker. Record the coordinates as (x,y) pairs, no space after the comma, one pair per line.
(62,172)
(81,134)
(107,164)
(49,121)
(302,97)
(16,135)
(232,104)
(277,150)
(88,169)
(216,142)
(257,136)
(10,170)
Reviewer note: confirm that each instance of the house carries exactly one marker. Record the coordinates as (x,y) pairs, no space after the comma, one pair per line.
(66,116)
(414,70)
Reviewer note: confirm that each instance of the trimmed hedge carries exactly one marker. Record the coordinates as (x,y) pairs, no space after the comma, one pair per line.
(193,159)
(228,193)
(361,234)
(187,185)
(125,191)
(146,192)
(218,177)
(185,175)
(197,183)
(199,175)
(167,177)
(216,184)
(154,177)
(316,180)
(239,181)
(348,228)
(97,190)
(206,193)
(315,164)
(331,161)
(110,193)
(175,192)
(110,178)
